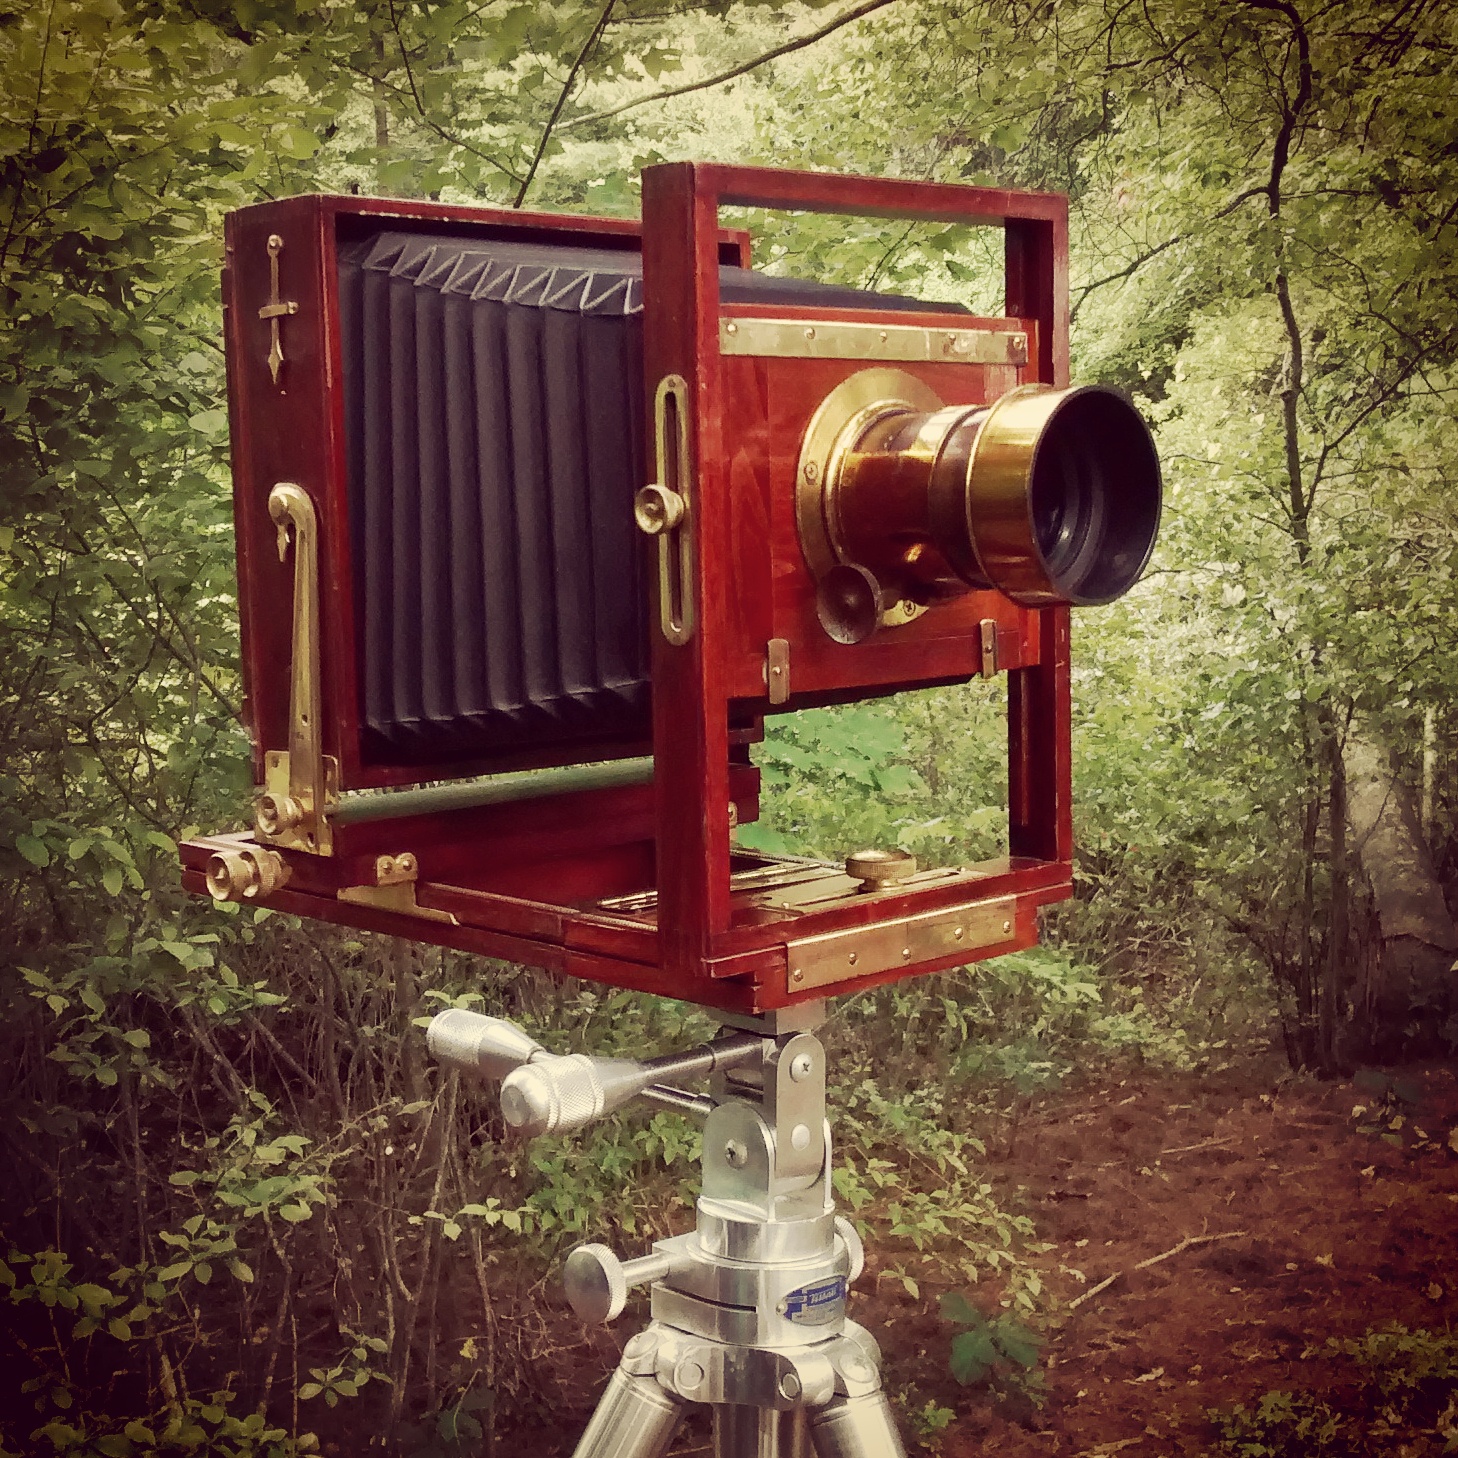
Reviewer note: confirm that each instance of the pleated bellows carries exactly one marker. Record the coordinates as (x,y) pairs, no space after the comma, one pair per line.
(494,419)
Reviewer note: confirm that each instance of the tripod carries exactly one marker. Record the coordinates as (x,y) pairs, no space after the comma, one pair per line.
(748,1308)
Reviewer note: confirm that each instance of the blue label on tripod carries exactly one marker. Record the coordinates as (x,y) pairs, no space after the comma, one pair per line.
(815,1304)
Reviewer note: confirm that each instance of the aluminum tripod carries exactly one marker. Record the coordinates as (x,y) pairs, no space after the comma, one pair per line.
(748,1308)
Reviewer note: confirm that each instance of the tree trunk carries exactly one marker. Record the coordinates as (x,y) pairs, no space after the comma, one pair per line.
(1411,994)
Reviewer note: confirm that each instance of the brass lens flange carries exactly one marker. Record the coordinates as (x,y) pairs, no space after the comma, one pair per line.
(1050,496)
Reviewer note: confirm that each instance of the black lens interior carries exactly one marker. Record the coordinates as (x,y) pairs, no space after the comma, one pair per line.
(1094,496)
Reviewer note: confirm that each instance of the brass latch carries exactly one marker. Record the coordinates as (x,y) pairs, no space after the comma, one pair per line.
(665,509)
(276,308)
(299,783)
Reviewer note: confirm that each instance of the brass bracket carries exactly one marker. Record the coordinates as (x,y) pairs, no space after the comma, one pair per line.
(862,951)
(987,647)
(665,509)
(394,890)
(300,785)
(837,339)
(275,309)
(777,670)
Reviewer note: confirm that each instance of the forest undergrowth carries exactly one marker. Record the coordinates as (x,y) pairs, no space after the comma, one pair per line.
(253,1216)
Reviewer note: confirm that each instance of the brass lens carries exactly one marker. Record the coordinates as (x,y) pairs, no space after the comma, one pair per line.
(1049,496)
(1061,495)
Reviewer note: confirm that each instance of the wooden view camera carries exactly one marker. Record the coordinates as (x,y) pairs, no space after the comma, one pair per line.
(539,516)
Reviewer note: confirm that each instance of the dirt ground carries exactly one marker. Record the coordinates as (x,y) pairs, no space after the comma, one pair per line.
(1319,1229)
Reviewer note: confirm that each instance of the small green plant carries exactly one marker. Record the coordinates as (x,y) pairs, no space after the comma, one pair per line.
(455,1430)
(1000,1353)
(1401,1384)
(929,1421)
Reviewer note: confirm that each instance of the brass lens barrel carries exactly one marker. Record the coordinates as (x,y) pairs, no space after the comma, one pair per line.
(1049,496)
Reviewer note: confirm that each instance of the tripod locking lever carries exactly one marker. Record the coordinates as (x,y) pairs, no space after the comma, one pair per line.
(555,1093)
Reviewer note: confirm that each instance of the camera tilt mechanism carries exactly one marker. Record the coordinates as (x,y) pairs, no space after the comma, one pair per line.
(748,1308)
(539,518)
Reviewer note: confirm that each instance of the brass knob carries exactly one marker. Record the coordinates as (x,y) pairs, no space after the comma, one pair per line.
(277,814)
(879,870)
(244,875)
(656,509)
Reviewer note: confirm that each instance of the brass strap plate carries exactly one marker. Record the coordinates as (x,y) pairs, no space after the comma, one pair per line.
(831,339)
(863,951)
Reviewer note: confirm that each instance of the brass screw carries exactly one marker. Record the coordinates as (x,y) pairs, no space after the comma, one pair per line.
(958,933)
(731,328)
(1007,926)
(812,471)
(854,958)
(809,334)
(906,954)
(797,975)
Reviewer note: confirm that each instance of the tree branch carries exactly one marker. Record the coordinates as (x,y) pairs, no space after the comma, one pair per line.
(588,47)
(741,70)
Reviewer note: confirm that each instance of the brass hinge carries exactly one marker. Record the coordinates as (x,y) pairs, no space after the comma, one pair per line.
(301,783)
(275,309)
(394,890)
(987,644)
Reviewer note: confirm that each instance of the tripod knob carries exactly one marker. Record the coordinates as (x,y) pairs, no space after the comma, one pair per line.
(598,1282)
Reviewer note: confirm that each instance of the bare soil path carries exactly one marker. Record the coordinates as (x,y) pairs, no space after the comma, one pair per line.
(1331,1224)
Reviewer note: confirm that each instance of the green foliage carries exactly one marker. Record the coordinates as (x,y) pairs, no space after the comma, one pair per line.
(926,771)
(1394,1386)
(1000,1352)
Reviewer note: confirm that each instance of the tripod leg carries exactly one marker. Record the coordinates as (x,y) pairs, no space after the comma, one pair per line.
(856,1427)
(759,1432)
(635,1418)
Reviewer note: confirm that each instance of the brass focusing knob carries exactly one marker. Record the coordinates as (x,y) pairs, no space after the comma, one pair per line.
(879,870)
(245,875)
(277,814)
(656,509)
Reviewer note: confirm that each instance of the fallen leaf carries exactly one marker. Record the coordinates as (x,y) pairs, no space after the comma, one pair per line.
(1152,1376)
(1324,1260)
(1435,1292)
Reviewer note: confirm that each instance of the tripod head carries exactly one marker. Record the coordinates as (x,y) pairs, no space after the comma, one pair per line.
(749,1307)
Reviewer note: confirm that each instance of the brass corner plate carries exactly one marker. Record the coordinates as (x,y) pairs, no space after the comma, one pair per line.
(864,951)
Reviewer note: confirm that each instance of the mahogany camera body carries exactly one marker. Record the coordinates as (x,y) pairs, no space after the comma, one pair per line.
(539,516)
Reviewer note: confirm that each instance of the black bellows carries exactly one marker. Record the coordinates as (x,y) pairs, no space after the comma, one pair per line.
(494,419)
(494,403)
